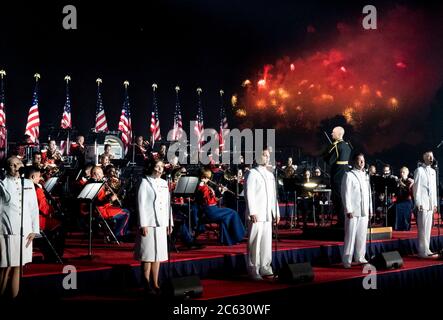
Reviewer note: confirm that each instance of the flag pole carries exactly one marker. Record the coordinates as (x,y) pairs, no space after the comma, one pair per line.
(2,75)
(199,91)
(99,82)
(37,78)
(175,127)
(68,140)
(126,85)
(154,87)
(221,139)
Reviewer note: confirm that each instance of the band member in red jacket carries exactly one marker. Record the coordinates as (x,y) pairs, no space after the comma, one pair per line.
(232,229)
(108,204)
(49,224)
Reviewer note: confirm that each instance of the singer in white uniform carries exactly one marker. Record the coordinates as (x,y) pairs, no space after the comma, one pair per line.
(425,197)
(261,209)
(357,202)
(155,222)
(10,223)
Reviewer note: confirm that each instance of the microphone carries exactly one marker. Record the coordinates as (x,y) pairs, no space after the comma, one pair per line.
(439,145)
(22,171)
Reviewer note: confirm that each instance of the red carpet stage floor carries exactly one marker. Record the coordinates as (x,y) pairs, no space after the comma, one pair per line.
(113,271)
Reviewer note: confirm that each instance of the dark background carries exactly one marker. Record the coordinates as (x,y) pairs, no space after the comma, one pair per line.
(212,44)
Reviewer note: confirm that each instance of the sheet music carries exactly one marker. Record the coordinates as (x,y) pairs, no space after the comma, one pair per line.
(50,184)
(90,191)
(186,185)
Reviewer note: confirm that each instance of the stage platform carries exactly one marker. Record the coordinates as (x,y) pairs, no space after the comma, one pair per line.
(114,274)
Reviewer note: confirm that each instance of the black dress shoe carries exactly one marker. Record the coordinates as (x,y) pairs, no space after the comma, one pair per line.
(148,291)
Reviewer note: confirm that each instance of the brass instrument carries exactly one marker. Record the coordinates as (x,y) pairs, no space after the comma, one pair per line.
(54,155)
(110,189)
(229,176)
(289,172)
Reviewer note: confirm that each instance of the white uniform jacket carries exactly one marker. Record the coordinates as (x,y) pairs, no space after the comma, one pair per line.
(154,203)
(356,193)
(261,196)
(425,188)
(10,215)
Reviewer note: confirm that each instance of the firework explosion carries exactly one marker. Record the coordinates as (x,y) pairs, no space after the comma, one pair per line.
(381,81)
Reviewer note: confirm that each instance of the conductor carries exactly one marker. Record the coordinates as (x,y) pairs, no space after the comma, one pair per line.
(337,156)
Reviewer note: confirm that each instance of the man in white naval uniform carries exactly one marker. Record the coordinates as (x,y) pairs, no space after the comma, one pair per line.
(10,222)
(357,202)
(261,209)
(425,197)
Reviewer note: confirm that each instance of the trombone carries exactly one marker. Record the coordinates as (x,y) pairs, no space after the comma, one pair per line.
(108,187)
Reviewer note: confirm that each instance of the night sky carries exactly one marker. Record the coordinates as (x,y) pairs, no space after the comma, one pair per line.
(210,44)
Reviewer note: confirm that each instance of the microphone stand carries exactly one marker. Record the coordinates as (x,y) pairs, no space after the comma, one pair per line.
(371,255)
(22,177)
(237,189)
(276,211)
(439,247)
(172,243)
(169,233)
(386,206)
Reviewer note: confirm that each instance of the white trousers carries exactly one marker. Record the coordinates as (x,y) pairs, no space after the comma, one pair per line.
(260,248)
(424,225)
(356,230)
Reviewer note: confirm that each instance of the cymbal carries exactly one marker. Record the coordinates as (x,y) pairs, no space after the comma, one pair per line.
(310,185)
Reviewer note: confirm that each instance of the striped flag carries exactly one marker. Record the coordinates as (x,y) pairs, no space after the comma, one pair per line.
(33,124)
(223,122)
(125,125)
(178,122)
(155,122)
(100,117)
(199,124)
(66,122)
(2,111)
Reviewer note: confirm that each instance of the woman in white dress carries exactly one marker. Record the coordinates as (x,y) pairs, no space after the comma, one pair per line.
(155,223)
(10,222)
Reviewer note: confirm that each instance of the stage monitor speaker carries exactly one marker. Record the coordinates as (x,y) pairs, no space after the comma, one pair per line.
(388,260)
(297,273)
(185,287)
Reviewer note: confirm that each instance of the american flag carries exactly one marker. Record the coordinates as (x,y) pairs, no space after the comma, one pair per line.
(2,112)
(125,125)
(199,127)
(100,117)
(66,122)
(155,122)
(223,122)
(33,124)
(177,132)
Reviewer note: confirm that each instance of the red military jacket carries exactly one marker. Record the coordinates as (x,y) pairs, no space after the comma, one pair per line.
(206,196)
(47,222)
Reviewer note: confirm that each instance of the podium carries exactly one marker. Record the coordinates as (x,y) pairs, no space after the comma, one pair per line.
(186,187)
(88,194)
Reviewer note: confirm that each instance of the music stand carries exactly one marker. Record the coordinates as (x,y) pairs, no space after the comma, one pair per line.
(50,184)
(51,246)
(48,187)
(290,186)
(185,188)
(88,194)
